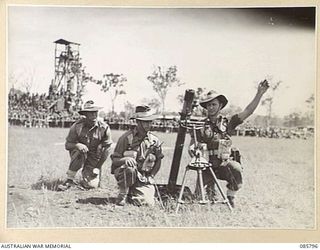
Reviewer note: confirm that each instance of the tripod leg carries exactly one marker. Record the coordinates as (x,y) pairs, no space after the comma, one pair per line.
(180,201)
(203,199)
(225,199)
(159,195)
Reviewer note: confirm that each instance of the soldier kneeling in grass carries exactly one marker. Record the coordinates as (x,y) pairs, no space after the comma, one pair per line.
(136,160)
(215,140)
(88,143)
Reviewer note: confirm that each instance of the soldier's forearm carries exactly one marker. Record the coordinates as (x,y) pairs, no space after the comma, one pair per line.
(118,161)
(251,107)
(70,145)
(254,103)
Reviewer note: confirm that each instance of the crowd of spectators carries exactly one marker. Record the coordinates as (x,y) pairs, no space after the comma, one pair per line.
(276,132)
(160,125)
(56,110)
(39,110)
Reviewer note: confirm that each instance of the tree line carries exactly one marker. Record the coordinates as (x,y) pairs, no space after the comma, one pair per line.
(164,78)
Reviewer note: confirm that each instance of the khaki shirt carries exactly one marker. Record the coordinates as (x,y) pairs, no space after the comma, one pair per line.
(213,132)
(93,137)
(217,137)
(132,141)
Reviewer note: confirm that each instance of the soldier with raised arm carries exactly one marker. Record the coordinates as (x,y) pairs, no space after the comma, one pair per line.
(215,141)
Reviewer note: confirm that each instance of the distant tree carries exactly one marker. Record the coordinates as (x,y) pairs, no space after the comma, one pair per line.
(200,92)
(296,119)
(162,80)
(231,109)
(83,79)
(268,100)
(129,109)
(310,101)
(180,98)
(13,80)
(310,113)
(153,103)
(23,81)
(114,85)
(292,120)
(259,120)
(123,114)
(28,80)
(198,96)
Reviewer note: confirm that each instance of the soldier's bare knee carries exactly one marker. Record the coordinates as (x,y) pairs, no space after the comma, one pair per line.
(235,165)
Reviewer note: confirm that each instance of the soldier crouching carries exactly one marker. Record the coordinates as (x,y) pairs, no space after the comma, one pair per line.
(215,137)
(88,143)
(136,160)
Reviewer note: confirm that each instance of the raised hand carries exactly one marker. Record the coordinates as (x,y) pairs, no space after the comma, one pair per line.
(263,87)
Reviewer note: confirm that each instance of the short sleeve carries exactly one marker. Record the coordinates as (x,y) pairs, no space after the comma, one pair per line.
(121,146)
(72,136)
(233,123)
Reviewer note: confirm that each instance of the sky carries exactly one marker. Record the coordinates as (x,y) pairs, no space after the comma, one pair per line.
(227,50)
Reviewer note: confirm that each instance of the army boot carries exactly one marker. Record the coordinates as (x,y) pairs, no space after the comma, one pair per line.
(66,185)
(122,197)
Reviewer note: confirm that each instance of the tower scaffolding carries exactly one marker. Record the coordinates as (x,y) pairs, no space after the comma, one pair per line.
(68,71)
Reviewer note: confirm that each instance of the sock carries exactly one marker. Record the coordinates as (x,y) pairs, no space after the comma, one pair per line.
(71,174)
(123,191)
(231,193)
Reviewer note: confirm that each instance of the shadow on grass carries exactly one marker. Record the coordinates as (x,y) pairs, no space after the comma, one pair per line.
(98,200)
(45,183)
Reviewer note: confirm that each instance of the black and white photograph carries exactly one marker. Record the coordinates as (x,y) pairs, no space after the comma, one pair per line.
(161,117)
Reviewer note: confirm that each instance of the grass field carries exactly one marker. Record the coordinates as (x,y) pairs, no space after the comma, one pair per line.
(278,190)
